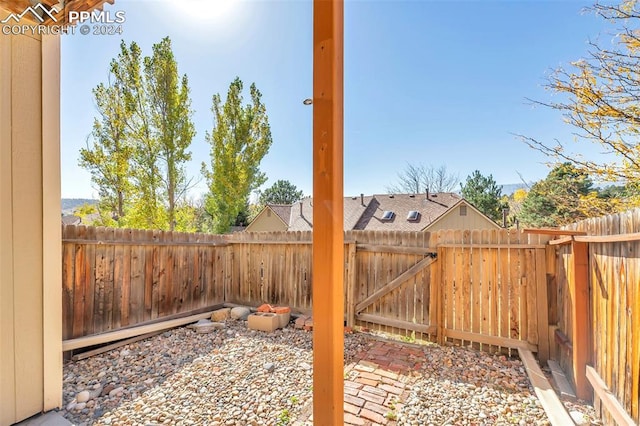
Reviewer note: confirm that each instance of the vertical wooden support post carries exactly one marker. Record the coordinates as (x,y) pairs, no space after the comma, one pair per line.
(580,323)
(351,285)
(328,234)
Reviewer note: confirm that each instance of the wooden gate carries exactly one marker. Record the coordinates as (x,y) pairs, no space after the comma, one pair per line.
(481,287)
(391,278)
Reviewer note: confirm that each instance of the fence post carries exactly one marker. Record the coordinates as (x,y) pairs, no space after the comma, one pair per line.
(579,286)
(542,300)
(552,299)
(439,300)
(351,284)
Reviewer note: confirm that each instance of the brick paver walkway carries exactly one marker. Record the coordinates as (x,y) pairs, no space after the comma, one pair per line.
(377,384)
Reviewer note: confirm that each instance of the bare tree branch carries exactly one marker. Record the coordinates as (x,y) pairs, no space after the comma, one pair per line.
(417,178)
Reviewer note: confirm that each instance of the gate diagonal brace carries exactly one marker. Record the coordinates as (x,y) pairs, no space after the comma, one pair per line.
(396,282)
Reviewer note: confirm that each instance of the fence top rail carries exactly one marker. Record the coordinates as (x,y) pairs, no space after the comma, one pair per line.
(494,246)
(404,241)
(87,234)
(615,238)
(144,243)
(552,231)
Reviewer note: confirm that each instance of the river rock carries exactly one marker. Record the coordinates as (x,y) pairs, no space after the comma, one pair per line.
(240,313)
(83,396)
(221,315)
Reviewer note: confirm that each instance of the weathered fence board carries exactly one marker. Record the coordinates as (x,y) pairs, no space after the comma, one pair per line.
(614,287)
(490,289)
(114,278)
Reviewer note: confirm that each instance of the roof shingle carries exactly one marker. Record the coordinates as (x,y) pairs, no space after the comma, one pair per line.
(365,212)
(429,210)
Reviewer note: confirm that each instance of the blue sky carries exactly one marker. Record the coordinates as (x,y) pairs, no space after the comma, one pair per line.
(431,82)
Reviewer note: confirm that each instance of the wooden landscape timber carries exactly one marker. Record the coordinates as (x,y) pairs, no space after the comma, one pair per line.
(556,412)
(112,346)
(97,339)
(608,400)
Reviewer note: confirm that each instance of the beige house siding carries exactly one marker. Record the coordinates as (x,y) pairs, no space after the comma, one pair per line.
(266,221)
(453,220)
(30,240)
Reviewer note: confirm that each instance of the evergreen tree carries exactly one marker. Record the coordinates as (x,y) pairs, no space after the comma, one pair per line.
(556,200)
(484,194)
(281,192)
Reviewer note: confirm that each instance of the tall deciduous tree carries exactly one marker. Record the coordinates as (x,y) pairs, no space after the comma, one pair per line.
(170,119)
(281,192)
(108,156)
(146,210)
(484,193)
(417,178)
(241,137)
(141,139)
(600,98)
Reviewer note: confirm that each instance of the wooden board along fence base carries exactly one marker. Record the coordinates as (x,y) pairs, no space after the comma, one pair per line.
(391,322)
(116,345)
(83,342)
(504,342)
(564,387)
(556,412)
(607,399)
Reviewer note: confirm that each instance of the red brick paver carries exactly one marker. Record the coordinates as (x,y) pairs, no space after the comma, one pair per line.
(382,374)
(377,383)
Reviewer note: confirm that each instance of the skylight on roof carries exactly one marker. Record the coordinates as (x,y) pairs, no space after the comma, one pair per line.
(388,215)
(413,215)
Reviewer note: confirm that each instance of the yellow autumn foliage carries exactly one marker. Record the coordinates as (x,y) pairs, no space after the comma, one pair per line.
(601,99)
(519,195)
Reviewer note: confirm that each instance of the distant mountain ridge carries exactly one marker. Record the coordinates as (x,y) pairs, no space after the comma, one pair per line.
(70,204)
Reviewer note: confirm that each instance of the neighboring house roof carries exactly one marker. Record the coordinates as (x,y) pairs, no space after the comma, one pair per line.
(301,218)
(367,212)
(474,208)
(429,209)
(262,221)
(282,210)
(70,219)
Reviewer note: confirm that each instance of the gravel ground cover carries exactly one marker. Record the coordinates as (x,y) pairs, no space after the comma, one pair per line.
(236,376)
(461,386)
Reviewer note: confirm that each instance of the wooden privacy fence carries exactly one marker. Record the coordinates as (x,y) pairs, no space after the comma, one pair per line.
(483,287)
(612,312)
(114,278)
(575,298)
